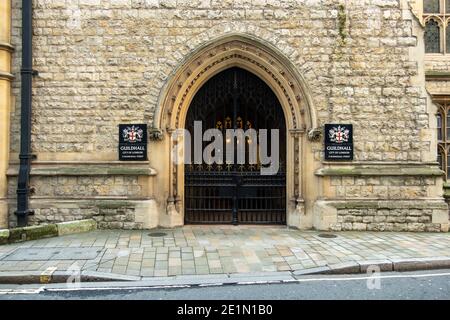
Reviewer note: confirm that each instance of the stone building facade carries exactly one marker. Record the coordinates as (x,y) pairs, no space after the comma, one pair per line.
(105,63)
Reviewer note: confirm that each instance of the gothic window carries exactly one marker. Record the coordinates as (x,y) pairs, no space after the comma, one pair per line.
(448,166)
(443,134)
(440,158)
(431,6)
(432,37)
(436,14)
(447,37)
(448,126)
(439,127)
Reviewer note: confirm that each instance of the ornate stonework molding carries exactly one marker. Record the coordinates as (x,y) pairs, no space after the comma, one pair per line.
(156,134)
(231,59)
(6,76)
(245,52)
(381,170)
(87,170)
(296,132)
(315,134)
(234,53)
(416,7)
(6,46)
(437,76)
(271,67)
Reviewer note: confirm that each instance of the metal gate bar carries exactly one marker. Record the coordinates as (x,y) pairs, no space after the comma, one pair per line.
(231,193)
(260,199)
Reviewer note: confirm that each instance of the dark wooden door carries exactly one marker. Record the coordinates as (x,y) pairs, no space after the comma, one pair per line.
(231,193)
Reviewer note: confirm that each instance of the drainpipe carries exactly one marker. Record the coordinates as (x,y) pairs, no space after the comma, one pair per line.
(23,188)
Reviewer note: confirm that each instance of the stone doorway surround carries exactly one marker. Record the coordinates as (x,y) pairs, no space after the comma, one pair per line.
(399,192)
(263,60)
(359,195)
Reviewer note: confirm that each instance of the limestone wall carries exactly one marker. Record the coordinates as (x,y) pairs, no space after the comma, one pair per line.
(102,63)
(437,63)
(387,219)
(82,186)
(116,196)
(129,215)
(388,203)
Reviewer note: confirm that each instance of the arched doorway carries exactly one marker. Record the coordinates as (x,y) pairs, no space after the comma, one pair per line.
(269,64)
(236,192)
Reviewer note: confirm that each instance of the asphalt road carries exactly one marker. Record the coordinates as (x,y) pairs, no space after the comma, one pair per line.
(429,285)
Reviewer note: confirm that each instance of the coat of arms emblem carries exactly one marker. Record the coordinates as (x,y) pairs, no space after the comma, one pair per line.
(133,134)
(339,134)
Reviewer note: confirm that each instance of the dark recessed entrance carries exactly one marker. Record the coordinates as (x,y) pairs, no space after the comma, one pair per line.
(237,193)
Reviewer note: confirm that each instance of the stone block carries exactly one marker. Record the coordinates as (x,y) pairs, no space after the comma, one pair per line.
(440,216)
(325,216)
(4,236)
(347,226)
(421,264)
(416,227)
(359,226)
(33,233)
(378,219)
(75,227)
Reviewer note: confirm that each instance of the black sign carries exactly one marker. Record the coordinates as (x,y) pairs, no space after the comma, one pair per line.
(133,142)
(338,142)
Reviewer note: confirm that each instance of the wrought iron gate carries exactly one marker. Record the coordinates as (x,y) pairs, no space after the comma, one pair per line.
(232,193)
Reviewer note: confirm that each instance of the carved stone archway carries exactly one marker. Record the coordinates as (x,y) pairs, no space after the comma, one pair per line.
(273,68)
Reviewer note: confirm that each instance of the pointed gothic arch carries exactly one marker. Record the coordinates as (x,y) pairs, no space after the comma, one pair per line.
(270,65)
(250,53)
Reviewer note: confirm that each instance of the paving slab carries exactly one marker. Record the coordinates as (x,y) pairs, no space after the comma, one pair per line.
(58,253)
(241,253)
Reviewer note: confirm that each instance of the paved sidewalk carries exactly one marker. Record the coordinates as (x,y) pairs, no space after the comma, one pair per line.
(206,250)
